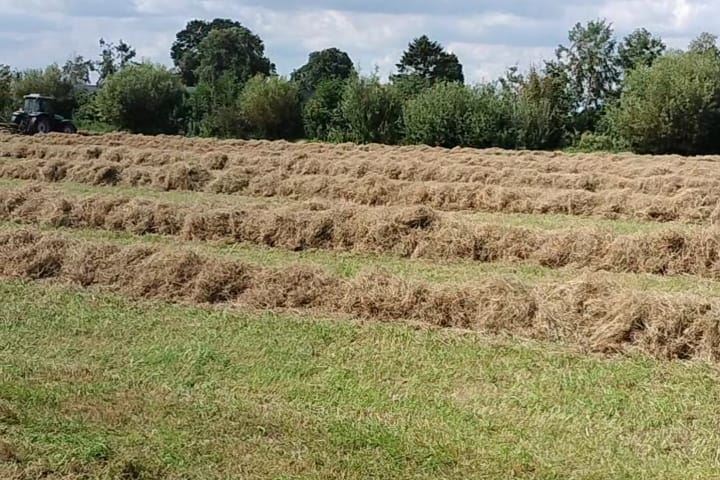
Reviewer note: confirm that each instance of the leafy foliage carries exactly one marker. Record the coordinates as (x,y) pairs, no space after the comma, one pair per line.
(451,114)
(592,64)
(426,62)
(323,66)
(6,99)
(443,115)
(213,109)
(52,82)
(113,58)
(371,111)
(542,109)
(271,108)
(640,48)
(142,98)
(77,70)
(322,117)
(673,106)
(705,43)
(233,51)
(185,51)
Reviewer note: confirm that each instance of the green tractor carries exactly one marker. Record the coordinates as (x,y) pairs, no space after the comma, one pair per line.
(38,116)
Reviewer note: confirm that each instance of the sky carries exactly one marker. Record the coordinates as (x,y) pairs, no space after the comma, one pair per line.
(487,35)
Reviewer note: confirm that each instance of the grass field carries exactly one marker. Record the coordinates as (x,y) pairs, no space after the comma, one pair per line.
(178,308)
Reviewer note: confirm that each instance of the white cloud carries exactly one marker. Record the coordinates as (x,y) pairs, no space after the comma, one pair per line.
(488,36)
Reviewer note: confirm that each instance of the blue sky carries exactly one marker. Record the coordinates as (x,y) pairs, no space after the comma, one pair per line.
(487,35)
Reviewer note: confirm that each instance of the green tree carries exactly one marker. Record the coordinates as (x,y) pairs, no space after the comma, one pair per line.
(592,65)
(705,43)
(640,48)
(185,51)
(77,70)
(52,82)
(542,110)
(371,111)
(234,51)
(6,99)
(213,109)
(322,66)
(271,108)
(142,98)
(425,63)
(672,106)
(322,117)
(113,58)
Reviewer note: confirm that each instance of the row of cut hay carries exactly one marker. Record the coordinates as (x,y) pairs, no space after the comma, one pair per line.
(571,174)
(690,206)
(626,164)
(457,155)
(417,232)
(587,313)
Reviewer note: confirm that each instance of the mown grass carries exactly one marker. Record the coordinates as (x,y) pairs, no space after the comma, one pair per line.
(348,264)
(95,386)
(218,200)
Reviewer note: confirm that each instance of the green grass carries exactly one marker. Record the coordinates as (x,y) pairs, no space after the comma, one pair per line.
(96,386)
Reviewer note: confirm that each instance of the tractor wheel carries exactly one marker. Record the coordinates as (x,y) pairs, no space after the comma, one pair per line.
(24,126)
(43,126)
(69,128)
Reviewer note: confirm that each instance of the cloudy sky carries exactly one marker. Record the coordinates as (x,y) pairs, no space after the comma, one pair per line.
(487,35)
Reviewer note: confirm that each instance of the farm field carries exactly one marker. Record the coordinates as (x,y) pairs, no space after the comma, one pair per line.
(191,308)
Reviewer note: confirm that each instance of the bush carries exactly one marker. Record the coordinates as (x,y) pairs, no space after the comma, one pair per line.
(371,112)
(212,109)
(600,142)
(443,115)
(672,106)
(142,98)
(322,117)
(270,107)
(450,114)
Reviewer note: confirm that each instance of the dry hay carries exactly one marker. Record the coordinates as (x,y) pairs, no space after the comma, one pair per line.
(417,232)
(588,313)
(653,175)
(692,205)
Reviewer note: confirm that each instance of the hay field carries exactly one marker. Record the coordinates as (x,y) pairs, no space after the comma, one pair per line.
(532,268)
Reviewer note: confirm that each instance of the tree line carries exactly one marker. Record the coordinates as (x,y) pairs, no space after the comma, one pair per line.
(598,93)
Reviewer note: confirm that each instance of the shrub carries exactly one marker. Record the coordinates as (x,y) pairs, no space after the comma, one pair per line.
(141,98)
(371,112)
(271,108)
(600,142)
(672,106)
(443,115)
(322,117)
(212,109)
(450,114)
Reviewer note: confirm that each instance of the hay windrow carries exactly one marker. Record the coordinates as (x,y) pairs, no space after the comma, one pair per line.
(590,314)
(410,232)
(662,188)
(690,205)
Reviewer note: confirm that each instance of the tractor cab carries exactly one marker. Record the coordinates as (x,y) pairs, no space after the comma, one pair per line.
(35,104)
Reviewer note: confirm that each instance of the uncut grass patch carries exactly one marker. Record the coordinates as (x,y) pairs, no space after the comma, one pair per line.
(96,386)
